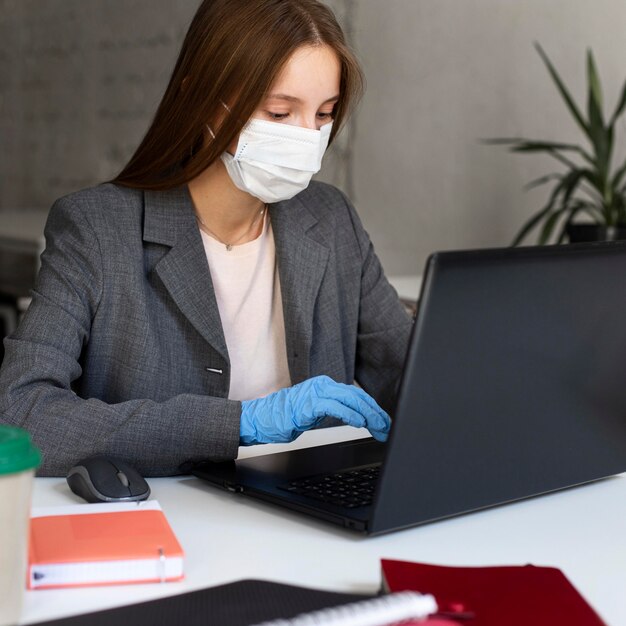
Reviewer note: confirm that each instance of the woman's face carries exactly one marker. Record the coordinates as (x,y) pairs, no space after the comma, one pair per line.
(306,91)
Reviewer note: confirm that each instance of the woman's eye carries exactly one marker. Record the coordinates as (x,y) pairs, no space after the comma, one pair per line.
(276,116)
(325,116)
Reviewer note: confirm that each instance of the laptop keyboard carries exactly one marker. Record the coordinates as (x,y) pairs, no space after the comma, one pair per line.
(350,489)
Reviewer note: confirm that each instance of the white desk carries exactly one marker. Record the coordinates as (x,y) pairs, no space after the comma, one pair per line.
(228,537)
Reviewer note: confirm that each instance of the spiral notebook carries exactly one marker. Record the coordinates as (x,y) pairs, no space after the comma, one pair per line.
(405,607)
(249,602)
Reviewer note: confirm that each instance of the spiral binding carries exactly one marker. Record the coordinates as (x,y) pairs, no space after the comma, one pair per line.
(380,611)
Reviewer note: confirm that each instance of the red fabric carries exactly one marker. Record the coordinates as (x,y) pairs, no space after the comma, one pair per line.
(495,596)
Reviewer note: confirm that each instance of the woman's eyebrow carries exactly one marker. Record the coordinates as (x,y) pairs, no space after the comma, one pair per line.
(283,96)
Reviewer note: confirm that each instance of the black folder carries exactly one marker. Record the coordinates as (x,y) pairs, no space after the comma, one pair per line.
(241,603)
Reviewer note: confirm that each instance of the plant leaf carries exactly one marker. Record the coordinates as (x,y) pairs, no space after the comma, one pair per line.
(540,215)
(499,141)
(571,105)
(537,182)
(597,182)
(528,145)
(620,207)
(570,184)
(619,174)
(537,146)
(531,223)
(591,176)
(573,212)
(548,227)
(594,92)
(567,186)
(562,159)
(553,149)
(601,137)
(620,106)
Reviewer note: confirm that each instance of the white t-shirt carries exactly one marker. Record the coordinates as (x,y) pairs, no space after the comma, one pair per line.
(247,289)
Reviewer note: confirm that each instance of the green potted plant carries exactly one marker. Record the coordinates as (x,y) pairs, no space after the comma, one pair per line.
(589,186)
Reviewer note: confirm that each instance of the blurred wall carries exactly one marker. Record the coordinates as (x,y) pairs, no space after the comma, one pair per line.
(79,83)
(442,74)
(80,80)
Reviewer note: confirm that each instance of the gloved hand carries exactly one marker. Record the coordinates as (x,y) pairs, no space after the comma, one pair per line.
(281,416)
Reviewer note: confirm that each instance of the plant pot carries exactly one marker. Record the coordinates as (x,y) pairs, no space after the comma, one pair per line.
(578,233)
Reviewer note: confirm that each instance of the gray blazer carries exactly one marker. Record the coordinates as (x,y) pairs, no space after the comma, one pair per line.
(119,349)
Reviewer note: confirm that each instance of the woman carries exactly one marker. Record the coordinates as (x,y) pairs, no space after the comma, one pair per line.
(210,296)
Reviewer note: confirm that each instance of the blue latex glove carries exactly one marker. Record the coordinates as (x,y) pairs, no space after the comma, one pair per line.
(282,416)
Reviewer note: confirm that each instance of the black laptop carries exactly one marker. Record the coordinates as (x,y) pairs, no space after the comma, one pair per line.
(514,385)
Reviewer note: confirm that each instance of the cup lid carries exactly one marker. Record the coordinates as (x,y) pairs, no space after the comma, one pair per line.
(17,452)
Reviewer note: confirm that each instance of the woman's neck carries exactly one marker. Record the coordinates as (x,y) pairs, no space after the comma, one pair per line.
(226,210)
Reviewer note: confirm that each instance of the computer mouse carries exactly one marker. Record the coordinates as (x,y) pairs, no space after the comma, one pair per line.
(107,479)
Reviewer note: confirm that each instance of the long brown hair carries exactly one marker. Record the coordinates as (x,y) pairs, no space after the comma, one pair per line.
(232,53)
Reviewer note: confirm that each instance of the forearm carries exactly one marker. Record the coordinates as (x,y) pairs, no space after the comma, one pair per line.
(156,437)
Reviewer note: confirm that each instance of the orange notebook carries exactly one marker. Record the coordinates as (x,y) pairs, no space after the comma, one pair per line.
(523,595)
(102,544)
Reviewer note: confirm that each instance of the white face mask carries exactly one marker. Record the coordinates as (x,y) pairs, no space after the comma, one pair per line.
(274,161)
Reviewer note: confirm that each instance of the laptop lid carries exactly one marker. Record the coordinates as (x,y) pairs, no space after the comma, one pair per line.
(512,387)
(514,381)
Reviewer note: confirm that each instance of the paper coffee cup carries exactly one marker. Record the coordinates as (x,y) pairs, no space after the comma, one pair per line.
(19,459)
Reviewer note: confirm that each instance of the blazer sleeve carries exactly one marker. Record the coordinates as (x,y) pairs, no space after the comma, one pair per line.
(43,359)
(384,326)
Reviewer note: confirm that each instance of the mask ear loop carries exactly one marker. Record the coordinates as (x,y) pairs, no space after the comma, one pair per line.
(209,128)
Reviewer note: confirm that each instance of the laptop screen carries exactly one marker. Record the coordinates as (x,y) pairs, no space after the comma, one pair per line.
(514,383)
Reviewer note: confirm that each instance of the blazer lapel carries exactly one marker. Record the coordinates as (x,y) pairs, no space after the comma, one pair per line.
(170,220)
(302,262)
